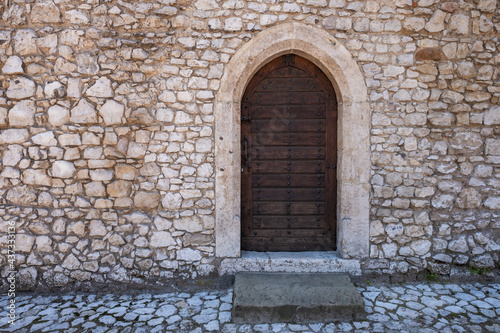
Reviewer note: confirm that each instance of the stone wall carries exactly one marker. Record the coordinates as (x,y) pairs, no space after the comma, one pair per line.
(107,131)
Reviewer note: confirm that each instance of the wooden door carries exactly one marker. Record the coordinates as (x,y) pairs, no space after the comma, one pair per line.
(289,156)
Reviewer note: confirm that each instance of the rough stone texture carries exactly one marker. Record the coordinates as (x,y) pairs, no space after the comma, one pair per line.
(109,112)
(291,297)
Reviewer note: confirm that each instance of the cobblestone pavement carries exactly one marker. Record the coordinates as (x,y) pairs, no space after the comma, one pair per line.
(423,308)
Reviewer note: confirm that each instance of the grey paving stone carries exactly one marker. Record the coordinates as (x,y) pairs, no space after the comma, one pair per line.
(440,309)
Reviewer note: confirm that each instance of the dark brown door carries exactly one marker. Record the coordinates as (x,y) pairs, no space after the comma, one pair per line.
(289,154)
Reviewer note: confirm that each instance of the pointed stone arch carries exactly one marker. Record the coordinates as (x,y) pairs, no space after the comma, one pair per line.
(353,171)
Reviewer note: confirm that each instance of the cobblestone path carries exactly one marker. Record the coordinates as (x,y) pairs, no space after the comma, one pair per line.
(423,308)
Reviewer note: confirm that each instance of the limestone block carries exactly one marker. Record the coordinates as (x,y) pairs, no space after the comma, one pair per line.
(58,115)
(215,24)
(101,88)
(402,96)
(466,70)
(74,88)
(14,15)
(233,24)
(167,96)
(62,67)
(70,140)
(36,177)
(101,174)
(206,4)
(95,189)
(446,167)
(45,139)
(13,65)
(172,201)
(161,239)
(165,115)
(25,42)
(421,246)
(24,242)
(136,150)
(390,250)
(459,245)
(416,119)
(436,22)
(45,11)
(162,223)
(9,172)
(477,96)
(44,244)
(203,145)
(393,71)
(112,112)
(467,142)
(124,171)
(393,25)
(21,195)
(492,203)
(3,116)
(182,118)
(97,228)
(184,96)
(76,17)
(469,198)
(483,171)
(71,262)
(48,44)
(187,42)
(459,23)
(487,6)
(150,169)
(205,170)
(12,155)
(145,199)
(485,24)
(119,189)
(441,119)
(442,201)
(492,116)
(20,88)
(83,113)
(63,169)
(22,114)
(493,146)
(189,224)
(452,97)
(14,136)
(204,95)
(116,240)
(189,255)
(87,63)
(54,90)
(266,20)
(361,25)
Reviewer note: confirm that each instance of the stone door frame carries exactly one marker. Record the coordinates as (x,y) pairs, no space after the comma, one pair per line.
(353,166)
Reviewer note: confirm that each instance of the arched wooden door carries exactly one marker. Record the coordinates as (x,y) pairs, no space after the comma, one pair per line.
(289,156)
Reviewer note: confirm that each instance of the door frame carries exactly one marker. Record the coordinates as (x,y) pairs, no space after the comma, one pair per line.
(353,171)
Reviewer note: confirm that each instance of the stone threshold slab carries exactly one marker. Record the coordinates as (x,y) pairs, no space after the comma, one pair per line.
(295,297)
(292,262)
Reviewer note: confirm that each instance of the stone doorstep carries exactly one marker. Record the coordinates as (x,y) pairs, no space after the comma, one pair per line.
(295,297)
(291,262)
